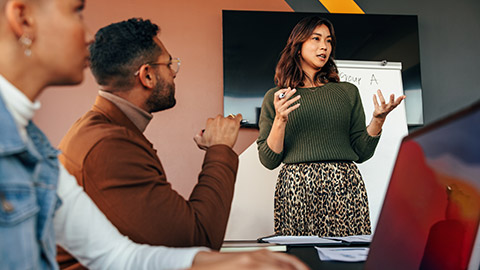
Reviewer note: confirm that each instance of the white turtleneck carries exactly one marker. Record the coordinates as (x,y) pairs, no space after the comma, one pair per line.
(21,108)
(80,227)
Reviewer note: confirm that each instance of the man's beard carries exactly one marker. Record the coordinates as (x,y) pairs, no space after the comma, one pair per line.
(162,97)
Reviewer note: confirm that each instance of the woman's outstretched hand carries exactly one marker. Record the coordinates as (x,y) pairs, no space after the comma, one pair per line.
(382,109)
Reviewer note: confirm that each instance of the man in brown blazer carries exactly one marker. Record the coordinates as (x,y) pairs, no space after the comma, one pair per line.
(117,166)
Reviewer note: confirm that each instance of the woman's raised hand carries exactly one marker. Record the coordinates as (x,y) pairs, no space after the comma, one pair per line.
(382,109)
(283,103)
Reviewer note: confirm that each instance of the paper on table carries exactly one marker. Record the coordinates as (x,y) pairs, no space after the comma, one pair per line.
(365,238)
(300,240)
(246,245)
(343,254)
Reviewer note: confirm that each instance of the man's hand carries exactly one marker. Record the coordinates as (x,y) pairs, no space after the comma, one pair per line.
(219,130)
(261,259)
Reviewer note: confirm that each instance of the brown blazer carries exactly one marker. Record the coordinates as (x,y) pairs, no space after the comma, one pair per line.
(119,169)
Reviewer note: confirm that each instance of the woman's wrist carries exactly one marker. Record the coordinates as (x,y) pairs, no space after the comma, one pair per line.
(375,126)
(279,122)
(377,121)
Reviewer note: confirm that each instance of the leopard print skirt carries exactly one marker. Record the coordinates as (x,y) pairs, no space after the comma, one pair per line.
(324,199)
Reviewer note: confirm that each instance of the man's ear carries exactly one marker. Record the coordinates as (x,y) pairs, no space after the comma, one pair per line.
(147,76)
(20,18)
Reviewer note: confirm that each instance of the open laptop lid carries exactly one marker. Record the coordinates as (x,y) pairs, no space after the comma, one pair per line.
(430,215)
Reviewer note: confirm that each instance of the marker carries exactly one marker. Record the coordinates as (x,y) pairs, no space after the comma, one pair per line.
(282,95)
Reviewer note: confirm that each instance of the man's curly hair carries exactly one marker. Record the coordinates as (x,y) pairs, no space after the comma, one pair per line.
(120,49)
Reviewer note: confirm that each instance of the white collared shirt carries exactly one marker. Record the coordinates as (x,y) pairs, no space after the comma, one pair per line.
(139,117)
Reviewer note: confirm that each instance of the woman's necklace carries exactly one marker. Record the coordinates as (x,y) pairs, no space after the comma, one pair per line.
(311,85)
(315,88)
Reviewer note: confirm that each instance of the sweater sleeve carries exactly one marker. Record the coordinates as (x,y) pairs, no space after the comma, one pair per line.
(268,158)
(362,143)
(86,233)
(129,185)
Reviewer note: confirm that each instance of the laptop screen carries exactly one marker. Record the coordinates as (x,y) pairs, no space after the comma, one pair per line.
(430,216)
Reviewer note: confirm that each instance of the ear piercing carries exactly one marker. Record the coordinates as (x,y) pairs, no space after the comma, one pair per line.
(27,43)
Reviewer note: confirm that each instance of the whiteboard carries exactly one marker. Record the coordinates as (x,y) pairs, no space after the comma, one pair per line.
(251,215)
(370,76)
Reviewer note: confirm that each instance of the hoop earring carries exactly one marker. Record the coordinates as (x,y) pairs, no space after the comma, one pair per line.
(27,43)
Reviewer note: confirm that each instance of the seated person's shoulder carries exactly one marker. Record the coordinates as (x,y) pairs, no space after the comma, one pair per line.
(92,129)
(98,126)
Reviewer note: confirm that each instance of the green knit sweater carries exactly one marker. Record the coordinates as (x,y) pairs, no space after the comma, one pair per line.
(328,125)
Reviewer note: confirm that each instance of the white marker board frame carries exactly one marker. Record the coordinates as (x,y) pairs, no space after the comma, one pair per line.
(369,76)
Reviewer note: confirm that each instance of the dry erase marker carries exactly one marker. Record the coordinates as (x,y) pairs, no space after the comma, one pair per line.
(282,95)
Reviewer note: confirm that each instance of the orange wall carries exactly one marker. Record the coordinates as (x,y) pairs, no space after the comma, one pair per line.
(191,30)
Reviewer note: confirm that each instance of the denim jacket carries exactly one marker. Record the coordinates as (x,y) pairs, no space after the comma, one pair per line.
(28,199)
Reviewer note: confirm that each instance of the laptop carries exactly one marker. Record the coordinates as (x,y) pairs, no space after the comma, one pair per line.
(431,212)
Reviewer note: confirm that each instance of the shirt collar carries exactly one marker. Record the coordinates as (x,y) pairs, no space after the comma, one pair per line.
(21,108)
(137,115)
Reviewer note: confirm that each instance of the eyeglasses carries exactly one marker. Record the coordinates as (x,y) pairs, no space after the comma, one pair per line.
(173,64)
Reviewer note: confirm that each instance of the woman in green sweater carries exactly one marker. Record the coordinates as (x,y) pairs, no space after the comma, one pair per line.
(319,189)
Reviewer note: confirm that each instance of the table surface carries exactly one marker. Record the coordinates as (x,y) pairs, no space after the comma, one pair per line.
(306,253)
(309,255)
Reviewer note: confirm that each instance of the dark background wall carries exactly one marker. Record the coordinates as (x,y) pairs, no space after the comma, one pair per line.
(259,37)
(449,47)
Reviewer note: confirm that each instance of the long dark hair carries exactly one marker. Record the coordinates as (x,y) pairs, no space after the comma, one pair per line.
(288,72)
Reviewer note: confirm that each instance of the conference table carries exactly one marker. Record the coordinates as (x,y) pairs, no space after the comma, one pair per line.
(306,253)
(309,255)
